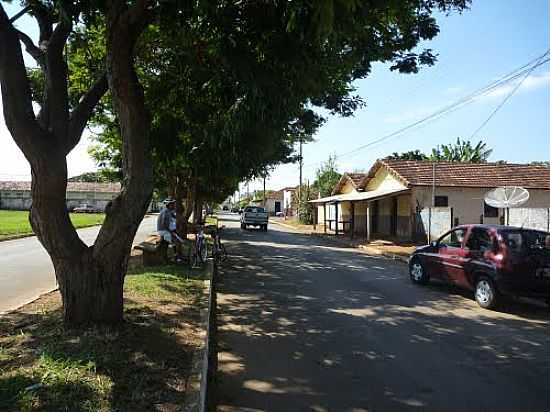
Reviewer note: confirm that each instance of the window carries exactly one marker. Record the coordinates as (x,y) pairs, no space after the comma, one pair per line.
(453,239)
(489,211)
(441,201)
(480,240)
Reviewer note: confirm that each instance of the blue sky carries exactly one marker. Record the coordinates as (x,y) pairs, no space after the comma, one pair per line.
(491,39)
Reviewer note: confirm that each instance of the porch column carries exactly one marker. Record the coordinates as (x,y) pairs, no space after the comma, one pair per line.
(368,223)
(352,218)
(325,217)
(336,216)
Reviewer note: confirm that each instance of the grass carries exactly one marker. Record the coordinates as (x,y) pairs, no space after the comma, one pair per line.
(143,365)
(16,222)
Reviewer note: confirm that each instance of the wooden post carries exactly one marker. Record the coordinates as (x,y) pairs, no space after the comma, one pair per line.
(368,223)
(325,216)
(352,219)
(336,217)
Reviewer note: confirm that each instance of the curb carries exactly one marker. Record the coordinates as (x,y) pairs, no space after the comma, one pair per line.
(201,385)
(210,358)
(287,226)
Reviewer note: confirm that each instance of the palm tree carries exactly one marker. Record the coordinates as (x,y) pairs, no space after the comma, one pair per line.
(461,151)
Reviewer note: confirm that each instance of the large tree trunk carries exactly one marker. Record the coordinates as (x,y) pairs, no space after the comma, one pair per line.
(90,278)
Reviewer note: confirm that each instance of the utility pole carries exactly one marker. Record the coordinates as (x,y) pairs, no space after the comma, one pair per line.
(300,186)
(264,191)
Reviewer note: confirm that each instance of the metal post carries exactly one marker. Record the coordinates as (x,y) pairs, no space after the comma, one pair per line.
(352,223)
(336,217)
(325,217)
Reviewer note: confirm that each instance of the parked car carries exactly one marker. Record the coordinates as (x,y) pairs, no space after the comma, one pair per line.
(491,260)
(85,208)
(254,216)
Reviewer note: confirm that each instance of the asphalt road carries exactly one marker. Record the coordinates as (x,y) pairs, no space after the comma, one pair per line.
(307,326)
(26,270)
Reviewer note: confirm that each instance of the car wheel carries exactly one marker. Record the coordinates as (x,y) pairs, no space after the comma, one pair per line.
(417,272)
(486,294)
(242,226)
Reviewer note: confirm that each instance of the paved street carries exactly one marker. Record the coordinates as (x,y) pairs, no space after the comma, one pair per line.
(26,270)
(307,326)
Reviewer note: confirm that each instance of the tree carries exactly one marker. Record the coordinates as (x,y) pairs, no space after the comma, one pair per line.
(326,177)
(461,151)
(410,155)
(310,50)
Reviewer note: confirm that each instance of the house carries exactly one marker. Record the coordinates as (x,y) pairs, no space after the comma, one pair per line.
(273,201)
(415,200)
(17,195)
(289,204)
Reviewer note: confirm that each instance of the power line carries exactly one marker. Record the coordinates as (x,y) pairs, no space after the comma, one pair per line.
(525,69)
(507,97)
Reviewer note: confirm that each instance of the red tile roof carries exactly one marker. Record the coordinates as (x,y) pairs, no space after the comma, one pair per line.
(358,181)
(486,175)
(71,186)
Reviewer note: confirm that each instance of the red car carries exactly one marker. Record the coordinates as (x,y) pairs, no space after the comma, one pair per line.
(490,260)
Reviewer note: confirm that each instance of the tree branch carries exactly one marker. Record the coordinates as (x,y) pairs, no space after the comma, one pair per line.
(16,91)
(32,49)
(21,13)
(82,113)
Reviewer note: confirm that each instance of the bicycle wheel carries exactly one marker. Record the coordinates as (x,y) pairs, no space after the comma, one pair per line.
(203,252)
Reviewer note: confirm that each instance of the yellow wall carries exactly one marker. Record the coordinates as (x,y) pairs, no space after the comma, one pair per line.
(348,188)
(384,180)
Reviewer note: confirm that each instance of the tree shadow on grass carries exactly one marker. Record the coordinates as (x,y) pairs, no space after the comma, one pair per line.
(142,365)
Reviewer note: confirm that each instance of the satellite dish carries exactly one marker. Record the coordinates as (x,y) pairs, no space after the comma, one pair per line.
(507,197)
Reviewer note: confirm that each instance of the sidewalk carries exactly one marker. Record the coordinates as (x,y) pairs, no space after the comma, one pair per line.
(375,247)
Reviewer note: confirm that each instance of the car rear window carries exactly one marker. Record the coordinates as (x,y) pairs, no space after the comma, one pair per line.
(254,210)
(525,239)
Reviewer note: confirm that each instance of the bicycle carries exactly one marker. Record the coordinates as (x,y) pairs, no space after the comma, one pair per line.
(219,253)
(200,254)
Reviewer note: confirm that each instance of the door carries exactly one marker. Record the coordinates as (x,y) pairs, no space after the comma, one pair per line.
(393,219)
(452,256)
(480,245)
(277,206)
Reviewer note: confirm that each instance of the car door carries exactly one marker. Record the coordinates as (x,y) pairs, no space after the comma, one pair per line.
(479,247)
(451,255)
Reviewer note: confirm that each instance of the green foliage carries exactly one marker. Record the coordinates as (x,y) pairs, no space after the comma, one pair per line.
(541,163)
(326,177)
(410,155)
(461,151)
(101,176)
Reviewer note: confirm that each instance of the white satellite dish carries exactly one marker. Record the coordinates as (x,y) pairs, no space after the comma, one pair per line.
(507,197)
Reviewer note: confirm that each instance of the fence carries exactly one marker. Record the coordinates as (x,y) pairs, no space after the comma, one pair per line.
(531,218)
(432,222)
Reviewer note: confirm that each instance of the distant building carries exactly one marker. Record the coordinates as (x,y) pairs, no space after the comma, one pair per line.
(289,205)
(17,195)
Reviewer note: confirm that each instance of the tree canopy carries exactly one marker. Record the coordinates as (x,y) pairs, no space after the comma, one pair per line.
(461,151)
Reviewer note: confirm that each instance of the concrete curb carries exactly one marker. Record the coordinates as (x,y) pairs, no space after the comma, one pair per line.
(210,358)
(201,384)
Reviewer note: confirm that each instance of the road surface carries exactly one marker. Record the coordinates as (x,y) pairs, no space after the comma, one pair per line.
(26,270)
(308,326)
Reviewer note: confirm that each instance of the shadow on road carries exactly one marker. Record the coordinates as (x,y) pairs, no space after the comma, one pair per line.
(311,326)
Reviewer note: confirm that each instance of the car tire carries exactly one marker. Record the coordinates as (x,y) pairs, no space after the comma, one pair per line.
(243,226)
(417,272)
(485,293)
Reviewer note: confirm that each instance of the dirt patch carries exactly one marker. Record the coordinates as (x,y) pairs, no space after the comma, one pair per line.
(144,364)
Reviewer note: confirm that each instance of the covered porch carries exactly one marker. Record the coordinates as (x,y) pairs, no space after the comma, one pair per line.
(385,214)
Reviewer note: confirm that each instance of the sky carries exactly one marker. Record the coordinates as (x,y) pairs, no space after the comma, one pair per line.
(484,43)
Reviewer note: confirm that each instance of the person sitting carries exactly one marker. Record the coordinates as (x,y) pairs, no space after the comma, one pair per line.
(166,228)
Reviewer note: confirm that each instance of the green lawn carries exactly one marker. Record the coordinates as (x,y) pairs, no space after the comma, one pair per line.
(15,222)
(142,366)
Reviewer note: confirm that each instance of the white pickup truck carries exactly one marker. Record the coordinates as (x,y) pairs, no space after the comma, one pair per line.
(254,216)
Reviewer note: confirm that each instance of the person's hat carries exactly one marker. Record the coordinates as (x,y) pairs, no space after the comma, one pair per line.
(168,201)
